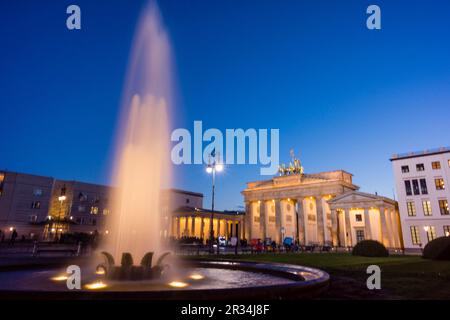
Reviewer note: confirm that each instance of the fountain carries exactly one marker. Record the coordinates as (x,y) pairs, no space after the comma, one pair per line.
(140,171)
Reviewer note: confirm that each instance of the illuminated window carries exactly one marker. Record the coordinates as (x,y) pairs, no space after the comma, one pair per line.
(36,205)
(443,207)
(439,182)
(447,231)
(2,178)
(94,210)
(106,212)
(405,169)
(423,186)
(426,205)
(415,236)
(431,233)
(81,208)
(420,167)
(33,218)
(435,165)
(359,235)
(411,208)
(358,217)
(448,162)
(37,192)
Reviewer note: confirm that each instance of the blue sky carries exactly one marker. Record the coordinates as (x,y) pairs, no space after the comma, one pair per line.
(342,96)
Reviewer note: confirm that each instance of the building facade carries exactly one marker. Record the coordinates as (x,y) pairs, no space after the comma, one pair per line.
(321,209)
(421,181)
(44,208)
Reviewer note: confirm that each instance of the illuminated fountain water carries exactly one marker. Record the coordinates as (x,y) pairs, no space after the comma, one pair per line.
(141,163)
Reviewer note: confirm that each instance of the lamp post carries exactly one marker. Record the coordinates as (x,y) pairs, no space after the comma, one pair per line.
(211,169)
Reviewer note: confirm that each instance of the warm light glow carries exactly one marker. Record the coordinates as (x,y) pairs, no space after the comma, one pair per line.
(62,198)
(11,228)
(289,199)
(59,278)
(96,285)
(178,284)
(100,271)
(219,167)
(209,169)
(196,276)
(447,234)
(426,228)
(106,231)
(53,229)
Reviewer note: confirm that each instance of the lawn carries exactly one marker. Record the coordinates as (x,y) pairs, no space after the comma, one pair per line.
(402,277)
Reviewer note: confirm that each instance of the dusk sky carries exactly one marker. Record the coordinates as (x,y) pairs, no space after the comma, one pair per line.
(343,97)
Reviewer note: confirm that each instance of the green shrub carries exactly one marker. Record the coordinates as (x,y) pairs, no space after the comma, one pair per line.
(370,248)
(437,249)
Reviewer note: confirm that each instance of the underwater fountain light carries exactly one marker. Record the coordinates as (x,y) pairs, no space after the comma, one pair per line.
(196,276)
(96,285)
(178,284)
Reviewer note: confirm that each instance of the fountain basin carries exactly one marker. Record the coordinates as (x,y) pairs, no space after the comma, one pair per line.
(215,280)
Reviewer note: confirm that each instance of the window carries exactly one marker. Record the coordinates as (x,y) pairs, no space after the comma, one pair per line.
(94,210)
(94,222)
(106,212)
(426,205)
(80,220)
(408,188)
(411,208)
(415,236)
(423,186)
(63,191)
(439,182)
(447,231)
(311,217)
(448,162)
(272,219)
(405,169)
(420,167)
(36,205)
(416,187)
(2,178)
(33,218)
(81,208)
(358,217)
(359,235)
(37,192)
(431,233)
(187,200)
(82,197)
(435,165)
(443,207)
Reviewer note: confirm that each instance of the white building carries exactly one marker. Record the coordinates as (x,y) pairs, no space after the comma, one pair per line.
(422,184)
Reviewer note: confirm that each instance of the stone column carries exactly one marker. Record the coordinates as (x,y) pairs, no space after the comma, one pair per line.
(320,226)
(394,228)
(367,226)
(301,221)
(178,227)
(334,227)
(263,219)
(384,229)
(248,220)
(192,227)
(278,220)
(348,228)
(202,228)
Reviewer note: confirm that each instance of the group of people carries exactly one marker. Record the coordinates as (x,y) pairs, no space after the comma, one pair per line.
(12,239)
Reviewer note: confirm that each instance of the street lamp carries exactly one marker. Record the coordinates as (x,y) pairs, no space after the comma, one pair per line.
(212,168)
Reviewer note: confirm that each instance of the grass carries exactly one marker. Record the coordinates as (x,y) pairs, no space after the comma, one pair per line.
(402,277)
